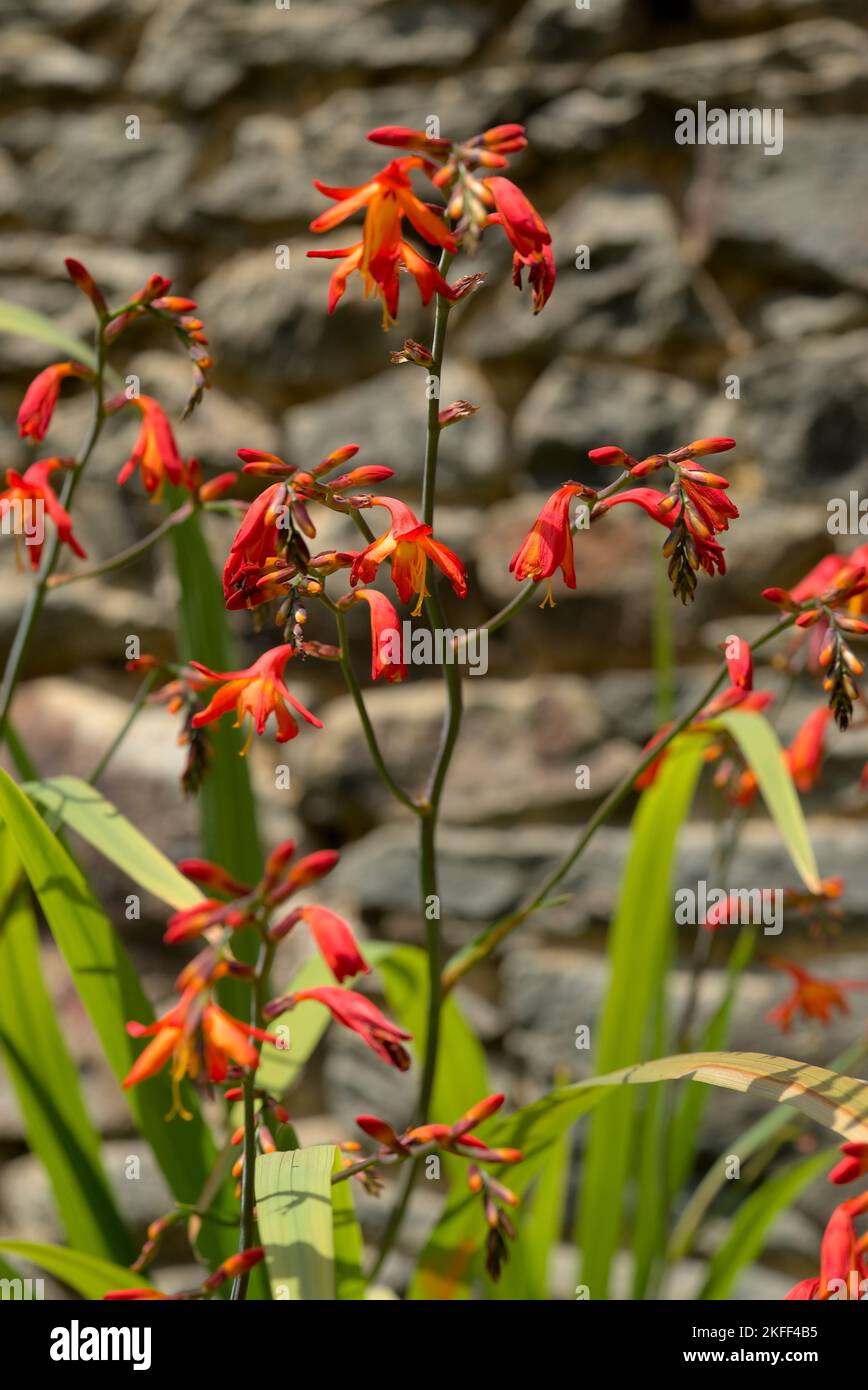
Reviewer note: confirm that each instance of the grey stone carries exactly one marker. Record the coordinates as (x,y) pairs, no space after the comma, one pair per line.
(573,407)
(630,299)
(33,61)
(472,451)
(89,177)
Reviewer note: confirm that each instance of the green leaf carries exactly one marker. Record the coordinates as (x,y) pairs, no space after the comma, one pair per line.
(86,1274)
(754,1219)
(839,1102)
(27,323)
(763,753)
(640,940)
(538,1222)
(688,1118)
(86,811)
(294,1214)
(349,1279)
(58,1128)
(462,1074)
(109,988)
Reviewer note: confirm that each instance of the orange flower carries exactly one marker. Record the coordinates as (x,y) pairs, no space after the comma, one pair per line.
(385,631)
(37,408)
(816,998)
(155,449)
(382,276)
(548,546)
(30,491)
(387,199)
(358,1013)
(805,754)
(411,545)
(196,1036)
(335,942)
(255,693)
(529,236)
(241,1263)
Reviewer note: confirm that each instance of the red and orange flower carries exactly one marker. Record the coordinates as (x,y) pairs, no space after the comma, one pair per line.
(254,693)
(356,1012)
(410,544)
(37,407)
(155,451)
(813,997)
(387,199)
(26,494)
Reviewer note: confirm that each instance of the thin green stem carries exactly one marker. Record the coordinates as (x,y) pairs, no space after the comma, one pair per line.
(248,1173)
(33,607)
(432,441)
(359,701)
(126,557)
(482,945)
(135,710)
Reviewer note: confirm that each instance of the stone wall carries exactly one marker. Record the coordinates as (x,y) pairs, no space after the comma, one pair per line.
(705,263)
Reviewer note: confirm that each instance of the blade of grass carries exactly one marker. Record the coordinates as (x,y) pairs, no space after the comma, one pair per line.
(58,1129)
(639,946)
(88,1275)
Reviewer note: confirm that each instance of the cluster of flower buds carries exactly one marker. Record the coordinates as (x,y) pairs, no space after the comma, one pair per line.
(269,558)
(694,510)
(474,202)
(455,1139)
(232,1268)
(263,1137)
(828,603)
(240,906)
(180,694)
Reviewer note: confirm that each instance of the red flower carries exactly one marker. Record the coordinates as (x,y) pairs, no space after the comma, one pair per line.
(548,546)
(335,942)
(814,997)
(529,236)
(843,1269)
(30,491)
(805,754)
(37,408)
(195,1035)
(155,449)
(853,1165)
(382,276)
(241,1263)
(388,198)
(358,1013)
(386,647)
(254,693)
(133,1295)
(411,545)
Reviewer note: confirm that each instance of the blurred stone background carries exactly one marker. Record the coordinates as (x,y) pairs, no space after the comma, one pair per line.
(705,263)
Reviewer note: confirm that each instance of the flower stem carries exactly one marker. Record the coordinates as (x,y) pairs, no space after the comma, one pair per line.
(36,599)
(432,441)
(125,557)
(248,1173)
(482,945)
(359,701)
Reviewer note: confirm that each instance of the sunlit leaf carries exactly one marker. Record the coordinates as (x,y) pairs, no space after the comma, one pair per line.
(88,1275)
(296,1226)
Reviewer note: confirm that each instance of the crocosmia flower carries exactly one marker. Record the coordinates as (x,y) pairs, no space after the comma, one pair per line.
(356,1012)
(548,545)
(813,997)
(254,693)
(37,408)
(528,235)
(382,276)
(387,199)
(410,545)
(29,497)
(198,1036)
(386,644)
(843,1266)
(155,451)
(853,1165)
